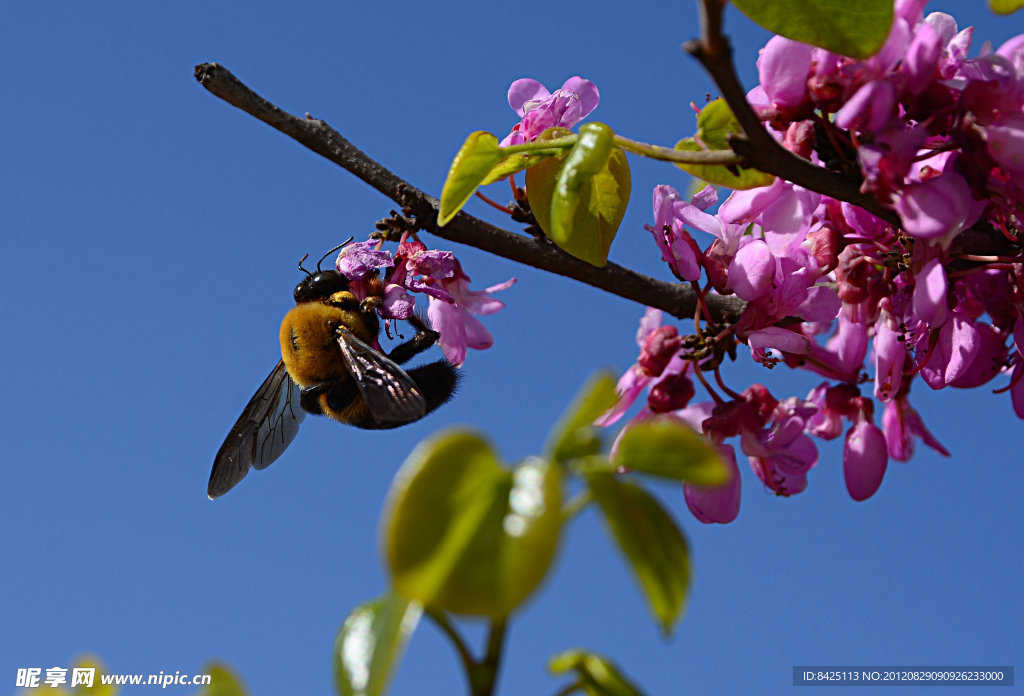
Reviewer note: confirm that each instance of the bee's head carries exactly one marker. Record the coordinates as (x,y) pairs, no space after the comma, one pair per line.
(321,284)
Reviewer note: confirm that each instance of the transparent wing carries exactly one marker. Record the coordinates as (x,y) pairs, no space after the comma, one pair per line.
(390,394)
(266,427)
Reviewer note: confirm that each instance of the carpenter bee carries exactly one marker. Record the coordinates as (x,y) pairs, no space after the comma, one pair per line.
(329,366)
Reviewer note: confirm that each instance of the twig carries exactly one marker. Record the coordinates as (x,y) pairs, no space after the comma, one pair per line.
(676,299)
(488,677)
(441,619)
(755,145)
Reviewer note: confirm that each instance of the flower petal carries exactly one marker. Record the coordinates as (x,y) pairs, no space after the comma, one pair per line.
(523,90)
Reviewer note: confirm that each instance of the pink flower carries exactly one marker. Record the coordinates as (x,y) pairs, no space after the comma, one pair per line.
(752,271)
(939,208)
(782,454)
(540,109)
(719,504)
(781,339)
(359,258)
(956,347)
(870,109)
(901,424)
(658,345)
(890,354)
(864,459)
(678,248)
(422,270)
(783,68)
(454,319)
(930,294)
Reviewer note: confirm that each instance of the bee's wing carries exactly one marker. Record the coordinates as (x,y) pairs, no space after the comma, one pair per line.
(266,427)
(390,394)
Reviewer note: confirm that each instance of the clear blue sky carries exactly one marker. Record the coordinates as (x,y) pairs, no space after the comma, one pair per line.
(150,236)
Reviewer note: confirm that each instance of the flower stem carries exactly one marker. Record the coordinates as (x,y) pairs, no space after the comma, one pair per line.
(666,154)
(485,672)
(541,147)
(439,617)
(494,204)
(576,504)
(482,674)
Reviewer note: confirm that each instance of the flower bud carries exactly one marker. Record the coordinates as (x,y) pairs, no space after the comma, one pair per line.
(671,393)
(658,349)
(824,245)
(865,457)
(716,263)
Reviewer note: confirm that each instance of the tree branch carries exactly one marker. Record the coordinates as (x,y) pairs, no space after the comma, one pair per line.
(677,299)
(757,147)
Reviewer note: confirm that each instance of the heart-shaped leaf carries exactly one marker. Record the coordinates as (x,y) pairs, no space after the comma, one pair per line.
(467,535)
(579,199)
(714,124)
(665,446)
(473,162)
(855,29)
(650,540)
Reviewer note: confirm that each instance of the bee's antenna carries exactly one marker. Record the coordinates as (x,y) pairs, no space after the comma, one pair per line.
(331,252)
(303,259)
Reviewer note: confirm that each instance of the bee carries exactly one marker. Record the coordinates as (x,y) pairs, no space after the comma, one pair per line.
(329,366)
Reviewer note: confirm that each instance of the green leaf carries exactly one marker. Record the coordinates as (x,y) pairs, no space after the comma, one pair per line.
(512,164)
(855,29)
(473,162)
(223,681)
(597,674)
(714,123)
(586,159)
(665,446)
(579,199)
(575,436)
(466,535)
(371,642)
(650,539)
(1005,6)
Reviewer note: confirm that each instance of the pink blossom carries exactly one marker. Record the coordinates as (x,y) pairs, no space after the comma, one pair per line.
(781,455)
(901,425)
(783,68)
(956,347)
(422,270)
(541,109)
(930,293)
(870,108)
(752,270)
(781,339)
(864,459)
(678,248)
(454,319)
(359,258)
(890,354)
(938,209)
(718,504)
(658,345)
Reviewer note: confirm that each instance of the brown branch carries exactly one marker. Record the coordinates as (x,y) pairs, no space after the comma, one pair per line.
(756,146)
(676,299)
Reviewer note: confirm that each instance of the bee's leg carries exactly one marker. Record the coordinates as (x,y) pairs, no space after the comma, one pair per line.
(338,396)
(424,338)
(309,400)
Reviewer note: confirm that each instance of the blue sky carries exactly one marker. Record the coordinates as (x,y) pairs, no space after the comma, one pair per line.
(150,236)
